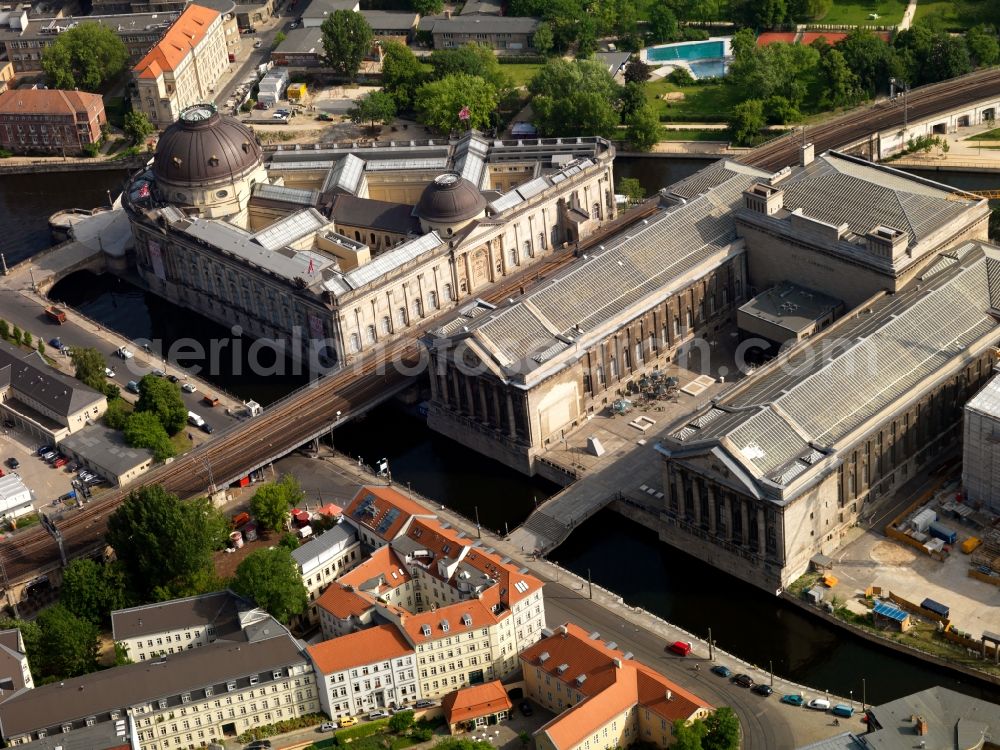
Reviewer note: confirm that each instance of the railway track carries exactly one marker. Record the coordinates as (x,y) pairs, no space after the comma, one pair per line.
(292,421)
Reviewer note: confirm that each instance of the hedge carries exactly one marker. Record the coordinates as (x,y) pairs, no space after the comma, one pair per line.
(361,730)
(522,59)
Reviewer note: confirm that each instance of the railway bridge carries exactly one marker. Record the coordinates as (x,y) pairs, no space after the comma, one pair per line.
(320,406)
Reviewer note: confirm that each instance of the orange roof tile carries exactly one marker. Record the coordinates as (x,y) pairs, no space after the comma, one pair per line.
(330,509)
(342,602)
(479,617)
(373,508)
(367,646)
(475,701)
(50,101)
(609,688)
(183,36)
(384,565)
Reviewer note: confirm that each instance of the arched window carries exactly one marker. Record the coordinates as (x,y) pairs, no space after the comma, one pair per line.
(373,237)
(638,351)
(595,211)
(401,317)
(355,343)
(432,299)
(371,334)
(512,257)
(388,242)
(464,286)
(447,293)
(418,308)
(527,249)
(357,235)
(386,325)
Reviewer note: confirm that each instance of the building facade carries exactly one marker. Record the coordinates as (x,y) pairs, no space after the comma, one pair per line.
(288,281)
(981,447)
(321,560)
(601,696)
(50,121)
(502,33)
(183,68)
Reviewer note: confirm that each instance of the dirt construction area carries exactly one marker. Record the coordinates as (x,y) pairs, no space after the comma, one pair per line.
(870,559)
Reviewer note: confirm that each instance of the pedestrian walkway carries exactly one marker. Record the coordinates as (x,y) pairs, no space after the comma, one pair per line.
(908,14)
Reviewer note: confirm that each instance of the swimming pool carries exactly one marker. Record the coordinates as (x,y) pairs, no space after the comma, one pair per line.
(707,68)
(707,50)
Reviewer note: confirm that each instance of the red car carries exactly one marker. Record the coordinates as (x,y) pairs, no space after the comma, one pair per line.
(60,462)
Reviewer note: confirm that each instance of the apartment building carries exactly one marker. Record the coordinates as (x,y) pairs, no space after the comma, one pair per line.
(322,559)
(183,68)
(50,120)
(601,697)
(15,673)
(465,611)
(153,630)
(187,699)
(366,670)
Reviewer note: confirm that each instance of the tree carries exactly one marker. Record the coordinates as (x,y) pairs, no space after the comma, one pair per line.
(688,736)
(137,126)
(637,71)
(746,121)
(144,430)
(117,413)
(438,103)
(643,128)
(4,329)
(872,60)
(565,18)
(631,188)
(401,722)
(460,743)
(26,339)
(681,77)
(401,72)
(41,346)
(723,730)
(809,10)
(16,335)
(160,542)
(427,7)
(779,111)
(31,634)
(85,57)
(472,60)
(163,399)
(347,38)
(633,99)
(91,590)
(375,107)
(271,578)
(271,502)
(841,87)
(279,38)
(662,23)
(543,40)
(89,364)
(983,45)
(575,98)
(68,644)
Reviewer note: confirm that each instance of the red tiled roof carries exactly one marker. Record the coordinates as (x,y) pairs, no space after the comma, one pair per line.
(380,502)
(183,36)
(479,617)
(475,701)
(380,643)
(384,563)
(609,688)
(342,602)
(330,509)
(50,101)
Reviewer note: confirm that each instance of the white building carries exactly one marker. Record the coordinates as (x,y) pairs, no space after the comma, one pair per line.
(321,560)
(366,670)
(183,68)
(981,446)
(15,498)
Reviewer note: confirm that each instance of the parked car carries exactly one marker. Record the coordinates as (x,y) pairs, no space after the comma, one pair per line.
(743,680)
(108,372)
(793,700)
(424,703)
(525,708)
(819,704)
(189,388)
(132,387)
(13,463)
(347,721)
(206,428)
(124,352)
(259,745)
(173,378)
(762,689)
(327,726)
(722,671)
(258,44)
(43,449)
(48,456)
(157,373)
(56,343)
(681,648)
(60,462)
(293,25)
(375,715)
(842,709)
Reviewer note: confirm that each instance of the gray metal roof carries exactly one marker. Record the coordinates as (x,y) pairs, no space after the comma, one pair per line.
(29,374)
(391,260)
(105,448)
(218,608)
(345,175)
(987,401)
(484,25)
(390,20)
(482,7)
(790,306)
(953,720)
(317,551)
(381,216)
(302,41)
(323,8)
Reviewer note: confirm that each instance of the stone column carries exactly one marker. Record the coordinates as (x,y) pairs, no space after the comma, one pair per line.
(711,509)
(468,276)
(745,522)
(435,396)
(727,514)
(468,395)
(696,501)
(458,390)
(484,416)
(496,406)
(510,416)
(761,531)
(443,387)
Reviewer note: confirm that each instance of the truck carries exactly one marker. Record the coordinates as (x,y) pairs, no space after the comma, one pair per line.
(943,533)
(936,607)
(55,314)
(208,400)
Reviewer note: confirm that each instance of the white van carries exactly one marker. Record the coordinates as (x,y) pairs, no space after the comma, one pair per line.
(195,420)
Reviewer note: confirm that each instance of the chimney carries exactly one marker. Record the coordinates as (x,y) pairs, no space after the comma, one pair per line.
(922,727)
(807,152)
(764,199)
(993,278)
(887,242)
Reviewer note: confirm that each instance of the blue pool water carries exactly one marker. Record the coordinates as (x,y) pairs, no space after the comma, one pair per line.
(687,51)
(707,69)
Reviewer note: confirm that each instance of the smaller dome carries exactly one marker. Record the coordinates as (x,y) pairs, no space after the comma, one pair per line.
(450,199)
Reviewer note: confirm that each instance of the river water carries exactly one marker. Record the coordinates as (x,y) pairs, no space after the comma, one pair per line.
(619,554)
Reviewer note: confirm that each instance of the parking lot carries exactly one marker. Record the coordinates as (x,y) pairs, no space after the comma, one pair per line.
(46,482)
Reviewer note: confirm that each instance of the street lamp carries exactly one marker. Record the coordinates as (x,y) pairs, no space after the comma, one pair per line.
(863,693)
(905,86)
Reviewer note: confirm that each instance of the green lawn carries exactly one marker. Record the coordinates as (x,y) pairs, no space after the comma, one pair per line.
(856,12)
(989,135)
(954,15)
(521,73)
(709,103)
